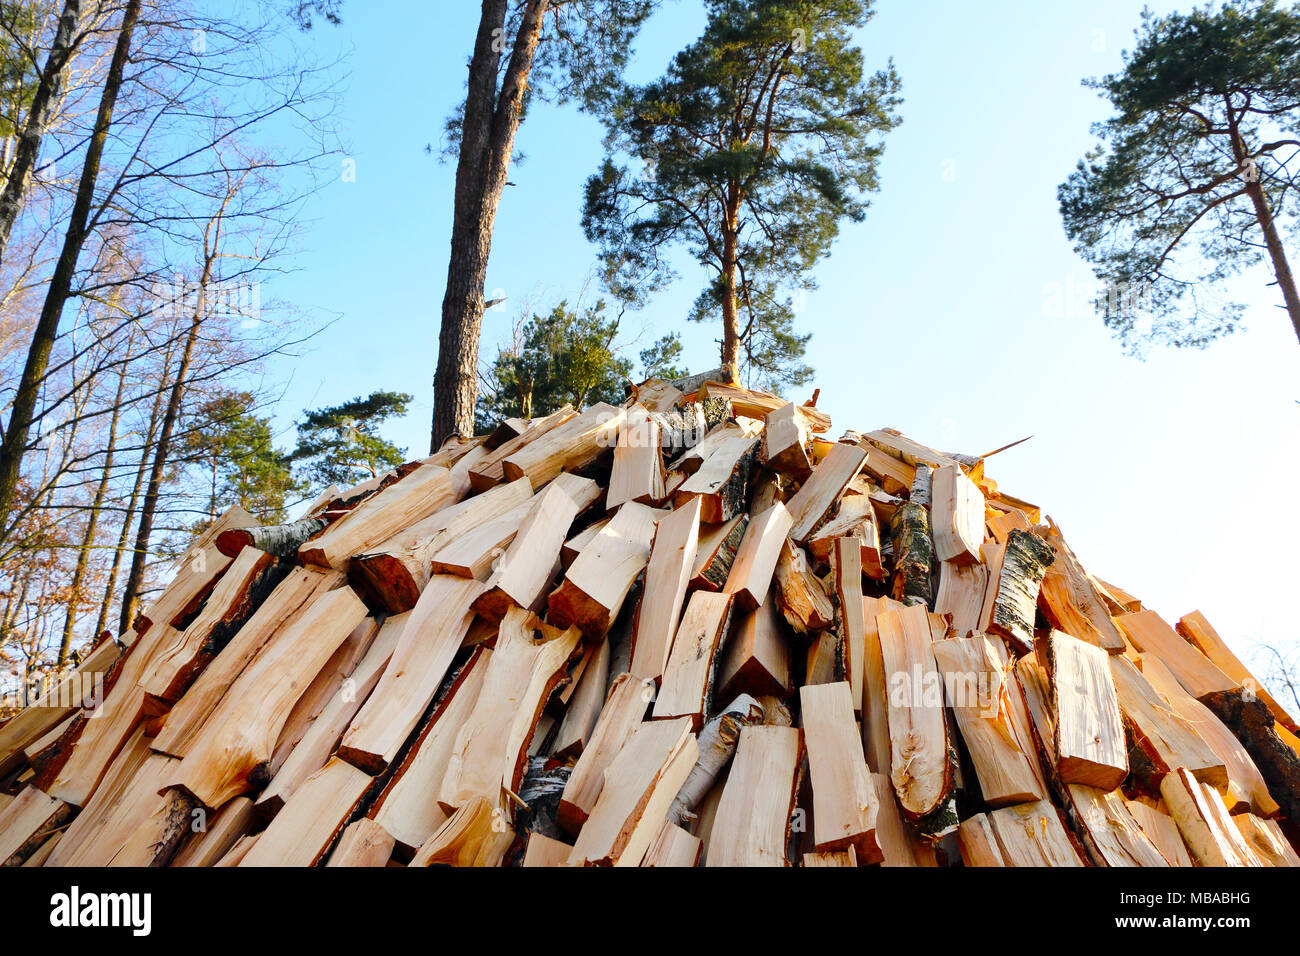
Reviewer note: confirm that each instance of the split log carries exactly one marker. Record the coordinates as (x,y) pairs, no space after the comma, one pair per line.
(717,744)
(228,754)
(893,475)
(1161,830)
(545,851)
(175,665)
(723,431)
(922,759)
(290,600)
(800,594)
(403,503)
(979,845)
(1151,635)
(425,650)
(314,816)
(957,516)
(1032,835)
(756,404)
(638,471)
(489,470)
(570,447)
(722,482)
(681,427)
(640,782)
(844,798)
(875,686)
(814,500)
(913,555)
(583,707)
(223,831)
(855,520)
(408,805)
(1266,839)
(363,843)
(757,659)
(839,858)
(622,714)
(752,826)
(668,572)
(847,568)
(1019,579)
(313,751)
(1196,630)
(687,687)
(898,843)
(895,443)
(1163,740)
(1204,823)
(27,822)
(1072,603)
(976,678)
(528,565)
(756,558)
(1253,724)
(597,583)
(716,552)
(673,846)
(475,553)
(395,572)
(785,437)
(1111,834)
(961,595)
(1086,704)
(824,658)
(478,834)
(491,748)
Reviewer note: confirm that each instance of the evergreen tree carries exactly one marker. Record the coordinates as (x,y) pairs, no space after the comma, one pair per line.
(341,445)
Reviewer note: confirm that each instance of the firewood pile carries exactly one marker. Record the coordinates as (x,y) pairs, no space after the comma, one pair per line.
(691,630)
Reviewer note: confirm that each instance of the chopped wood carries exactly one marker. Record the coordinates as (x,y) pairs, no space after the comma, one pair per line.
(757,658)
(1161,830)
(1032,834)
(756,558)
(301,835)
(1150,634)
(722,481)
(856,520)
(638,472)
(569,447)
(913,554)
(961,595)
(1202,819)
(811,503)
(596,584)
(716,552)
(363,843)
(1089,744)
(687,687)
(844,797)
(489,471)
(956,516)
(478,834)
(668,572)
(673,846)
(1072,603)
(785,439)
(752,826)
(1024,562)
(583,708)
(1267,840)
(717,743)
(1197,631)
(1112,836)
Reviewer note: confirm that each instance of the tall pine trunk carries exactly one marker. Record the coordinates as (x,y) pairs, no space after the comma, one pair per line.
(49,87)
(488,130)
(1276,252)
(21,414)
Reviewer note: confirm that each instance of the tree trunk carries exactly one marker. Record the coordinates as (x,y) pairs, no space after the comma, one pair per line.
(92,522)
(487,142)
(47,327)
(730,318)
(48,90)
(135,578)
(1281,267)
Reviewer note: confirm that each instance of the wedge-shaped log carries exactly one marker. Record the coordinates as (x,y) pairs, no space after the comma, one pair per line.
(545,851)
(1072,603)
(27,822)
(687,686)
(673,846)
(290,600)
(756,558)
(800,595)
(582,708)
(956,516)
(1245,780)
(961,595)
(1111,834)
(785,440)
(320,740)
(625,706)
(640,783)
(177,664)
(429,641)
(978,843)
(814,500)
(570,447)
(722,481)
(1024,562)
(855,519)
(672,558)
(1204,822)
(491,749)
(472,554)
(597,583)
(875,686)
(196,572)
(530,563)
(224,830)
(752,824)
(489,470)
(1032,834)
(844,796)
(302,833)
(476,835)
(1151,635)
(847,565)
(976,678)
(897,444)
(922,759)
(1197,631)
(757,658)
(638,471)
(363,843)
(1267,840)
(408,805)
(898,841)
(716,553)
(1163,739)
(1090,746)
(400,505)
(240,736)
(395,572)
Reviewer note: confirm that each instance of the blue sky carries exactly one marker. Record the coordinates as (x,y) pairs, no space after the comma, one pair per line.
(1173,477)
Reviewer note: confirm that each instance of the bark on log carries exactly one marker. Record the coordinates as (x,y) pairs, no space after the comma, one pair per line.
(717,745)
(1250,719)
(913,554)
(1026,560)
(277,539)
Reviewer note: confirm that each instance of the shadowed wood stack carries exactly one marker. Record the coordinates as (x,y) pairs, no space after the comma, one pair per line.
(690,630)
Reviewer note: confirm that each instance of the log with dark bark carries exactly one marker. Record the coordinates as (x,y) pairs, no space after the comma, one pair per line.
(913,554)
(1250,719)
(1024,563)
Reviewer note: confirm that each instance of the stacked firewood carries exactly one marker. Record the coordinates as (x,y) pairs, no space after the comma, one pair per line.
(693,629)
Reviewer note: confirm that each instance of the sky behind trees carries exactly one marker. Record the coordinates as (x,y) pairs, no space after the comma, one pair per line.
(956,311)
